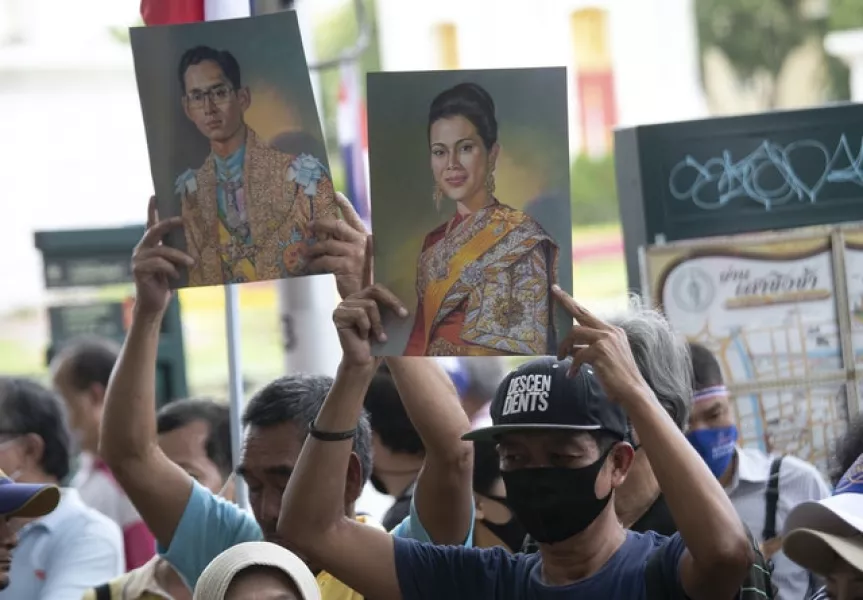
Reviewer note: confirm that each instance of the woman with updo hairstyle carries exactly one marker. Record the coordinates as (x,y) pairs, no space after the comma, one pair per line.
(483,276)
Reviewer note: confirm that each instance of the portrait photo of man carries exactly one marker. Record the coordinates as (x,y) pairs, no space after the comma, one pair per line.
(246,204)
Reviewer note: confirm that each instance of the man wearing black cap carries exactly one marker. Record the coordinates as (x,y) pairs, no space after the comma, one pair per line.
(560,426)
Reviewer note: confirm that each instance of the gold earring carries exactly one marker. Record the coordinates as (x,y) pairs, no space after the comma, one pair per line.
(437,196)
(489,183)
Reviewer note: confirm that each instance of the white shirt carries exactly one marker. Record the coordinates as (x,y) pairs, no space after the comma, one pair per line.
(798,481)
(98,489)
(63,554)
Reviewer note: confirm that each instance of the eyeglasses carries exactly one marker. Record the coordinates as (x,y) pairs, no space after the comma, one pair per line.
(218,95)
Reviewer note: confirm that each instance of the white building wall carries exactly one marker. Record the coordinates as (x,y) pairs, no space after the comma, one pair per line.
(654,47)
(74,152)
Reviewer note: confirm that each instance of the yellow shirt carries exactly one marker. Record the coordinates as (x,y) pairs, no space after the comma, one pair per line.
(332,588)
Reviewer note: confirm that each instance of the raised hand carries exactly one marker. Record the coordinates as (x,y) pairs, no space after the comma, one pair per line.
(344,252)
(358,317)
(604,347)
(154,264)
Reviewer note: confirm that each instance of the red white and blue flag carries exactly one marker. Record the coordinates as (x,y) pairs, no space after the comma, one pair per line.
(174,12)
(354,141)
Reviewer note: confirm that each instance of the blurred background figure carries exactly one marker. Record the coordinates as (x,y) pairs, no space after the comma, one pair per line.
(80,374)
(496,524)
(763,489)
(194,434)
(74,547)
(476,379)
(397,449)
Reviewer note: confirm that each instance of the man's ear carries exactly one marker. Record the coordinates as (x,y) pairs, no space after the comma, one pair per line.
(227,491)
(480,514)
(354,481)
(244,96)
(620,461)
(97,393)
(34,448)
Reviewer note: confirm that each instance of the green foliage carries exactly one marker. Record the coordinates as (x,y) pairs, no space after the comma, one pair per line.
(593,190)
(333,35)
(755,35)
(845,14)
(758,35)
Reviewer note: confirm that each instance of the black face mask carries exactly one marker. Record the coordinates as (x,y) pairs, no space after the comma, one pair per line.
(511,533)
(555,503)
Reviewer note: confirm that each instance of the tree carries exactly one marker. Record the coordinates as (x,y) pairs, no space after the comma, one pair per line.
(757,36)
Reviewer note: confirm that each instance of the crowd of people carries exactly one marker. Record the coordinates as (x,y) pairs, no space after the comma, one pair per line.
(612,470)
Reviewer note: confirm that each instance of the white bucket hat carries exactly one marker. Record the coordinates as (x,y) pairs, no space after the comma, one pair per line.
(219,574)
(816,532)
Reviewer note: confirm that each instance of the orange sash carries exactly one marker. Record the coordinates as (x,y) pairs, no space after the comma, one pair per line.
(483,241)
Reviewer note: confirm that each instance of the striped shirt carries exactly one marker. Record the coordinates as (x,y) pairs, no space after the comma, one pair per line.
(820,594)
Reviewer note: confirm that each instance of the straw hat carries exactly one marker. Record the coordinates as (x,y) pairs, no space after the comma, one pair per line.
(219,574)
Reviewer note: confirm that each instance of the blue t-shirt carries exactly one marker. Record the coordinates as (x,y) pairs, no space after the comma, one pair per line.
(211,525)
(428,572)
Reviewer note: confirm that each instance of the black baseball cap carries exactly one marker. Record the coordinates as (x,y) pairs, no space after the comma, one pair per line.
(539,396)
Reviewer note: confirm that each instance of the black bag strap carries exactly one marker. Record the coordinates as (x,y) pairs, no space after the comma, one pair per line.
(772,500)
(103,592)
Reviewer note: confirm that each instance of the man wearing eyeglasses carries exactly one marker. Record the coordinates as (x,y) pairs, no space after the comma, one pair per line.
(247,209)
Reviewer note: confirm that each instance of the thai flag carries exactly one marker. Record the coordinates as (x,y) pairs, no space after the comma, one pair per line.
(354,141)
(172,12)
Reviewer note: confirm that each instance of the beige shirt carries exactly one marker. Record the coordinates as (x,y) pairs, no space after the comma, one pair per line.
(139,584)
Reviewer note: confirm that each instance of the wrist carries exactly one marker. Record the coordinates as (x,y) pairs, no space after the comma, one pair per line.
(147,317)
(639,398)
(354,370)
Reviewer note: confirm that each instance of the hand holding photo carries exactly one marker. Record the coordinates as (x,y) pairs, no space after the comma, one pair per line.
(235,145)
(495,233)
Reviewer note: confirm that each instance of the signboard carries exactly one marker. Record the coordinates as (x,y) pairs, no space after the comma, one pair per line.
(854,274)
(65,272)
(95,258)
(802,421)
(726,176)
(102,320)
(766,309)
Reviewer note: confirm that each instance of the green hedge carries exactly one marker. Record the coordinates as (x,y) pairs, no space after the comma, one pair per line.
(593,190)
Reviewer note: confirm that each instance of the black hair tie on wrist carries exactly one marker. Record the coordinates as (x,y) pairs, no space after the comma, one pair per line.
(331,436)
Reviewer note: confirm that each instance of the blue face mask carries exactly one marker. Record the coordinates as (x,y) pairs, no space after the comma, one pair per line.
(716,446)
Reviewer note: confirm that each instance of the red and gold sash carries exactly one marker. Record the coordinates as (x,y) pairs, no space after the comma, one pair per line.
(500,224)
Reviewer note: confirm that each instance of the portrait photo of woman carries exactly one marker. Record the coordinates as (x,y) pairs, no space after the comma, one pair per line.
(484,270)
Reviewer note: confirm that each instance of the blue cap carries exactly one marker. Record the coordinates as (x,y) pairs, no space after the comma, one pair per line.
(27,500)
